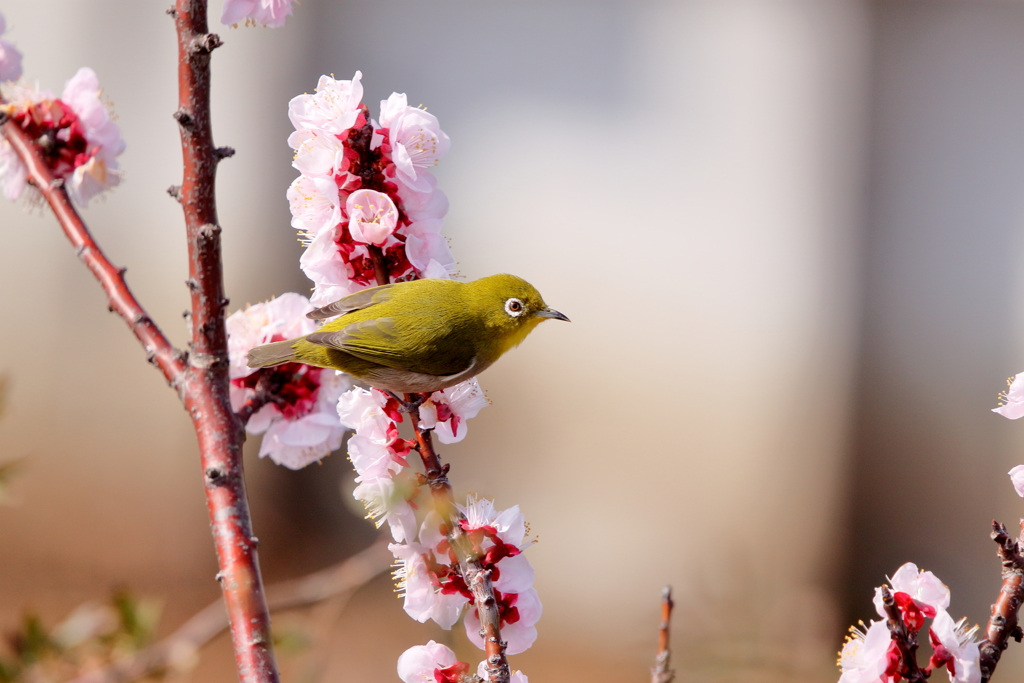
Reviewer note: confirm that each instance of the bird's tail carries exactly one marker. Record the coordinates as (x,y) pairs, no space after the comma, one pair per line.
(272,354)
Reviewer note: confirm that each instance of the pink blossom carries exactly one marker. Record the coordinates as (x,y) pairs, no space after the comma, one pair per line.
(10,57)
(330,274)
(924,594)
(867,656)
(315,204)
(269,13)
(509,525)
(318,154)
(302,426)
(1017,478)
(426,246)
(422,663)
(100,172)
(416,139)
(517,676)
(86,142)
(373,216)
(955,648)
(423,599)
(333,108)
(447,410)
(1012,400)
(387,500)
(424,206)
(520,613)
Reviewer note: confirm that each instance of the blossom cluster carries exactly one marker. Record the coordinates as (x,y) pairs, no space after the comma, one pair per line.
(299,422)
(80,139)
(368,209)
(365,191)
(871,655)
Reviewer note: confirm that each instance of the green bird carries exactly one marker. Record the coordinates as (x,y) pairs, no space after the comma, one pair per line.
(417,337)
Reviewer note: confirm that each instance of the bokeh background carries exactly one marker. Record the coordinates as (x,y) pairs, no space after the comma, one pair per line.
(788,233)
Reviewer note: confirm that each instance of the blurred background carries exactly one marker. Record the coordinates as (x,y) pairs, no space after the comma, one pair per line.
(786,232)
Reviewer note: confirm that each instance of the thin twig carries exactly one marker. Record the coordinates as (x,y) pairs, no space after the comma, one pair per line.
(159,350)
(660,673)
(1003,624)
(905,639)
(178,650)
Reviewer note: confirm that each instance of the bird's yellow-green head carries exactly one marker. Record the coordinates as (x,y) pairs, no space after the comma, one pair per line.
(510,306)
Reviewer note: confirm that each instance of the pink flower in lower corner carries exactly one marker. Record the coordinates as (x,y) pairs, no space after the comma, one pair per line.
(373,216)
(431,663)
(868,655)
(10,57)
(1011,401)
(269,13)
(955,648)
(447,410)
(300,425)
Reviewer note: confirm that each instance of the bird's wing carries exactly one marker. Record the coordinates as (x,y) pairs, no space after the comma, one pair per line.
(353,302)
(376,340)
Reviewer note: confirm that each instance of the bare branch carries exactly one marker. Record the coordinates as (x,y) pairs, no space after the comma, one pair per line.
(660,673)
(159,350)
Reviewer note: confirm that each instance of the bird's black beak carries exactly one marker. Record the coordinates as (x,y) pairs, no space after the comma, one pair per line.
(551,313)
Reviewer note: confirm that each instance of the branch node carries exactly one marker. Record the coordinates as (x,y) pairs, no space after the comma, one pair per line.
(175,192)
(209,231)
(172,11)
(183,118)
(191,284)
(57,183)
(223,302)
(224,152)
(207,43)
(214,475)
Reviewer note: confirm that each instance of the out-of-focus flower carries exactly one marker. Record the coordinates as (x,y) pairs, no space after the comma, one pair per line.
(83,141)
(10,57)
(447,410)
(333,108)
(372,216)
(430,663)
(386,499)
(1017,478)
(955,648)
(300,423)
(918,594)
(416,139)
(269,13)
(1011,401)
(100,171)
(868,656)
(424,598)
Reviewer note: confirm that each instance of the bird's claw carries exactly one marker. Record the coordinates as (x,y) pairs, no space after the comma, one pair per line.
(411,402)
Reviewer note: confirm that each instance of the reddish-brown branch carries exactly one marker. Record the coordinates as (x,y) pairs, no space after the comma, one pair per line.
(1003,624)
(179,648)
(660,673)
(219,432)
(905,639)
(159,350)
(477,578)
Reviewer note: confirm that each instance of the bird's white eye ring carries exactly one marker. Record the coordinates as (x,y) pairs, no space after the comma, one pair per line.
(514,307)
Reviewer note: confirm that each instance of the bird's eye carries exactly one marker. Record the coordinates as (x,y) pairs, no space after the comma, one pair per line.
(514,307)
